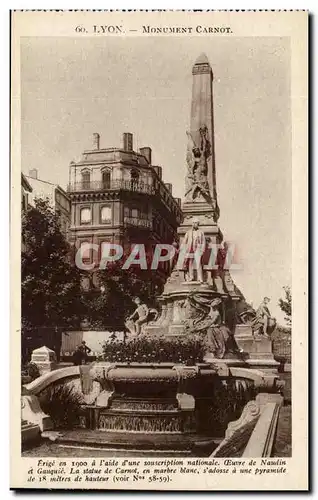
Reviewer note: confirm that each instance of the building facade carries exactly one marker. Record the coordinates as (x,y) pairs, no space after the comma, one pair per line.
(118,196)
(58,198)
(26,189)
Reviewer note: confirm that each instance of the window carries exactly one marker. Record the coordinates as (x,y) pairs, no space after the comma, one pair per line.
(106,215)
(104,248)
(135,212)
(86,178)
(85,251)
(24,201)
(126,212)
(106,179)
(134,175)
(85,215)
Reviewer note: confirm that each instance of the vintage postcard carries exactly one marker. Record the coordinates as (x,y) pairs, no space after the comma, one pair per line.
(159,250)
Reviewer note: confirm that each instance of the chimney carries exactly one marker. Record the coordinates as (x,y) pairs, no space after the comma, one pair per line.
(96,138)
(158,171)
(128,141)
(33,173)
(146,152)
(168,186)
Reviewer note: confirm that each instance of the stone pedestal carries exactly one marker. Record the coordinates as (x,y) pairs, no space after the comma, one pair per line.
(45,359)
(258,348)
(174,308)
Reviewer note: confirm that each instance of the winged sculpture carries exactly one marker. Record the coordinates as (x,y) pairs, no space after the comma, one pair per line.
(197,186)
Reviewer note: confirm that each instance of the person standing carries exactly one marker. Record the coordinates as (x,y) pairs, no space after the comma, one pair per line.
(86,351)
(80,355)
(77,356)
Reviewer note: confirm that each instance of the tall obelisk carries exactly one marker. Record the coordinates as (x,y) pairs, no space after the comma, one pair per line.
(200,191)
(200,203)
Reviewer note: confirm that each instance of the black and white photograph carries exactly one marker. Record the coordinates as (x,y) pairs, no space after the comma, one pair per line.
(159,293)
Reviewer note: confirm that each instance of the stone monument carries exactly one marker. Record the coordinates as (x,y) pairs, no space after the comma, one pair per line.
(198,253)
(199,265)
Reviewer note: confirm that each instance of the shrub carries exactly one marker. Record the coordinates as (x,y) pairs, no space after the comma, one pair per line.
(63,404)
(29,373)
(155,350)
(33,371)
(281,340)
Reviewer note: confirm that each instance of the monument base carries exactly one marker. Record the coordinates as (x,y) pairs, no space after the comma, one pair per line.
(206,212)
(171,321)
(258,348)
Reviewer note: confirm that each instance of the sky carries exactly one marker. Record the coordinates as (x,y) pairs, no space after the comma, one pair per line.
(73,87)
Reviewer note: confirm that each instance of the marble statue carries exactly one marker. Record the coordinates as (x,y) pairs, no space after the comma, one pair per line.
(197,186)
(263,323)
(194,242)
(140,317)
(244,313)
(206,322)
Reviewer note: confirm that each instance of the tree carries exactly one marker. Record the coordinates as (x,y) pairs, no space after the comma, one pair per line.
(111,301)
(51,284)
(286,304)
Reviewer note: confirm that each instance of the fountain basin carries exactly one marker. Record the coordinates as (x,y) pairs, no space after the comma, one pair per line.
(152,401)
(156,406)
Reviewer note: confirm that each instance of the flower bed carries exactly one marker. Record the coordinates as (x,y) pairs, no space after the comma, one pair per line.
(149,350)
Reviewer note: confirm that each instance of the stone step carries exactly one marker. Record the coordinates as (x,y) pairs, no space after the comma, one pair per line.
(138,441)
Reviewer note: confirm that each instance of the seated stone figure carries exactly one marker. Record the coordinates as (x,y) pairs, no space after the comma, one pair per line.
(141,316)
(244,313)
(263,323)
(206,322)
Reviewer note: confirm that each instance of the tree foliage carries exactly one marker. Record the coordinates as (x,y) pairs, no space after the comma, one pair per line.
(50,282)
(286,304)
(53,299)
(63,404)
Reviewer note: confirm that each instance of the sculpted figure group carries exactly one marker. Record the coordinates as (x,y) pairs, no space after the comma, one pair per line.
(140,317)
(197,186)
(205,320)
(261,320)
(263,323)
